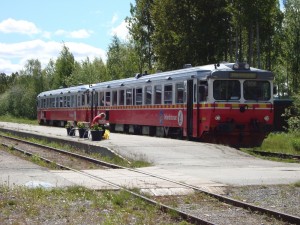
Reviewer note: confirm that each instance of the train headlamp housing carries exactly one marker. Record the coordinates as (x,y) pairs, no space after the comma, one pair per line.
(217,117)
(236,66)
(266,118)
(241,66)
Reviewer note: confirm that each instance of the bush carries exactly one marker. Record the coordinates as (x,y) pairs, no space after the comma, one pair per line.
(296,144)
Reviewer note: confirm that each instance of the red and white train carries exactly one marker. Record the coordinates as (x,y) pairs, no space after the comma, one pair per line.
(228,103)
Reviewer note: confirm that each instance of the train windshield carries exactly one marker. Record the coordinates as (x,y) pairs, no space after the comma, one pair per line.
(227,90)
(257,90)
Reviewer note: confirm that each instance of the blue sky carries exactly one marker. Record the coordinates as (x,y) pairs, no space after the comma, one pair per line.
(37,29)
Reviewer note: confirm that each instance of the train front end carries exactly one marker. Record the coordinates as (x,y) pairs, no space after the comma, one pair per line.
(240,107)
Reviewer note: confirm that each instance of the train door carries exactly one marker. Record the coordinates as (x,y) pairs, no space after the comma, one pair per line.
(189,108)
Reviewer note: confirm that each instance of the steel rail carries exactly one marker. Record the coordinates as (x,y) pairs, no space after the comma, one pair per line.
(276,154)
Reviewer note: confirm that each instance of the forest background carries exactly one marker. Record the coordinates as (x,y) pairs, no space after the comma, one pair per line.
(165,35)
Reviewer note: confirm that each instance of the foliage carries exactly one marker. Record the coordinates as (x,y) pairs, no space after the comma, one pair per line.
(64,67)
(96,127)
(292,43)
(121,60)
(141,28)
(69,125)
(87,72)
(292,114)
(80,125)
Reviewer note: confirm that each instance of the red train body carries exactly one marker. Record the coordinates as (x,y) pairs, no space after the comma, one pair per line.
(227,103)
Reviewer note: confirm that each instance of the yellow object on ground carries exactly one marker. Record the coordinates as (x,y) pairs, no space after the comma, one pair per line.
(106,134)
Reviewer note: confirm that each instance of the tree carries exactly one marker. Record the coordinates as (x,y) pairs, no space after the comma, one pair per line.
(292,43)
(122,60)
(64,67)
(141,29)
(193,32)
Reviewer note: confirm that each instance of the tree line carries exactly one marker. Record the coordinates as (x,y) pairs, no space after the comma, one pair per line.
(165,35)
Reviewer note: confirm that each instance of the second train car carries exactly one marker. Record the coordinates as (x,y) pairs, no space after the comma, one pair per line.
(229,103)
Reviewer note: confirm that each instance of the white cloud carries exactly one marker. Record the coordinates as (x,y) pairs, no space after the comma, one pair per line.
(14,56)
(7,67)
(114,18)
(18,26)
(82,33)
(121,31)
(79,34)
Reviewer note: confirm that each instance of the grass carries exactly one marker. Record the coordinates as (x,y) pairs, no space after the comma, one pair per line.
(288,143)
(76,205)
(12,119)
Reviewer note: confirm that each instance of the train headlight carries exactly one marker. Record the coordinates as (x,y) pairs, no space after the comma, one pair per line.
(217,117)
(266,118)
(235,66)
(247,66)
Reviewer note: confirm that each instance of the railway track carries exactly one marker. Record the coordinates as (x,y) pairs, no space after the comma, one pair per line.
(104,165)
(277,155)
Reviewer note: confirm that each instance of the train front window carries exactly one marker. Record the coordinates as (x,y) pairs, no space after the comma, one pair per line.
(227,90)
(257,90)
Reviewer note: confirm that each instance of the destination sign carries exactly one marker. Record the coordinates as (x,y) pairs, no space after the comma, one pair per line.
(243,75)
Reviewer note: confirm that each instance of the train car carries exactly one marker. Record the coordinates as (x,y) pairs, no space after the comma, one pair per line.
(227,103)
(56,107)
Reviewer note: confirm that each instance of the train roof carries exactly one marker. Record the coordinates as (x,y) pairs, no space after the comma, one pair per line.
(199,72)
(73,89)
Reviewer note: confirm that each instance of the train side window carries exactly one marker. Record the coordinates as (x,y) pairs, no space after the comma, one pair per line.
(202,92)
(61,102)
(157,94)
(107,98)
(168,94)
(114,97)
(95,100)
(148,95)
(68,101)
(128,96)
(139,96)
(101,96)
(83,100)
(78,100)
(179,93)
(57,102)
(121,97)
(72,101)
(52,102)
(88,99)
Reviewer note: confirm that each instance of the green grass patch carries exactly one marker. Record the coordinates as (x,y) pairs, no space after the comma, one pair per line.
(12,119)
(288,143)
(76,205)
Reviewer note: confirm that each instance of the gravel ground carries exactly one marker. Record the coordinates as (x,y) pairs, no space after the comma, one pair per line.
(283,198)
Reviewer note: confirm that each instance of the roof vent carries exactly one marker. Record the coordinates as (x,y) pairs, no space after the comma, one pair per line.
(187,66)
(138,75)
